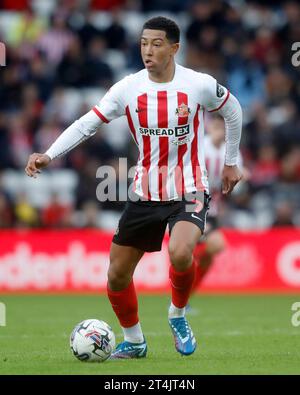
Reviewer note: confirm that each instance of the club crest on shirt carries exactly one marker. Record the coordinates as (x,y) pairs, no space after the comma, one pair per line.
(183,110)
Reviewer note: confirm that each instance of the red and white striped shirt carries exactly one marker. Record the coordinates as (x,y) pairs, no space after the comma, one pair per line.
(166,122)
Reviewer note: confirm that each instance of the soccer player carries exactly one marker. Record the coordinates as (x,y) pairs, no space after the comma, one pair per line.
(164,105)
(213,242)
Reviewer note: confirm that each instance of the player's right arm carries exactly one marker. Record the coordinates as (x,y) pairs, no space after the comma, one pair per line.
(109,108)
(75,134)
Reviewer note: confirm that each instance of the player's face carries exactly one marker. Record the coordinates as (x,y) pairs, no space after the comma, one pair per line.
(156,50)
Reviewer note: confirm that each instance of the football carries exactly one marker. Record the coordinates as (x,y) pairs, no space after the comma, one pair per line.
(92,340)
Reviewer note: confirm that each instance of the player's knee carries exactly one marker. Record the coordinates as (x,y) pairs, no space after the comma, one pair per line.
(180,255)
(117,279)
(215,244)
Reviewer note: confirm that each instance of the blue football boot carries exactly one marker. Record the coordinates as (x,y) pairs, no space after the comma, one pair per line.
(185,342)
(127,350)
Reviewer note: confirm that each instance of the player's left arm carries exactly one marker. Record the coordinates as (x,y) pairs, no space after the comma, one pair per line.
(219,99)
(232,113)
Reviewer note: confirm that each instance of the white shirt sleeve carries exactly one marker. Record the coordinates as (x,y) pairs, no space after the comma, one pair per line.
(215,97)
(80,130)
(233,117)
(240,161)
(212,95)
(110,107)
(113,104)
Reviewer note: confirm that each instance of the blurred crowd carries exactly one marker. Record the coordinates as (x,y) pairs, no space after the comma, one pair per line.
(63,55)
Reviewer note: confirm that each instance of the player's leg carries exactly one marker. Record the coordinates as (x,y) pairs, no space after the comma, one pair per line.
(140,229)
(123,298)
(183,239)
(205,253)
(186,228)
(123,261)
(182,242)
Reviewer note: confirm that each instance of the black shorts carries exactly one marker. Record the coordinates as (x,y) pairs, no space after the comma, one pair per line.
(212,224)
(143,223)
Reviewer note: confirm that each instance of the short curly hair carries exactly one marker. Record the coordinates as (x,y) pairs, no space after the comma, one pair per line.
(161,23)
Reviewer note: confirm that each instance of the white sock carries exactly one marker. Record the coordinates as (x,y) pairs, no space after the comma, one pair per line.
(133,334)
(176,312)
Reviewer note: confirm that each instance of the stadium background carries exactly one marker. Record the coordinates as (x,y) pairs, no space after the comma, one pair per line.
(61,58)
(55,235)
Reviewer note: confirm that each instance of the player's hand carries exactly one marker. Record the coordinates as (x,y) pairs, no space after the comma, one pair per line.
(35,163)
(230,177)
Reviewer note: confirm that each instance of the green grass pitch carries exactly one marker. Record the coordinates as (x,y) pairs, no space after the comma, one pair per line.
(236,334)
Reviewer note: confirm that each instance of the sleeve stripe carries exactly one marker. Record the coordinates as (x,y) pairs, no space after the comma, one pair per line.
(225,100)
(101,116)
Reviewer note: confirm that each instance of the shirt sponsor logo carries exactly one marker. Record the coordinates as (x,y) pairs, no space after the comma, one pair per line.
(182,130)
(181,141)
(178,131)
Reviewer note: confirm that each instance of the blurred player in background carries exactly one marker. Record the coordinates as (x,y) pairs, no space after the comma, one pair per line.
(213,241)
(164,104)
